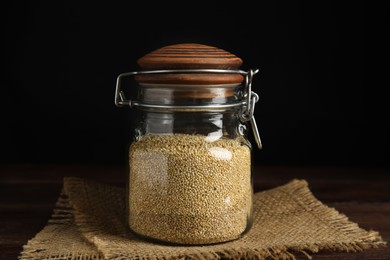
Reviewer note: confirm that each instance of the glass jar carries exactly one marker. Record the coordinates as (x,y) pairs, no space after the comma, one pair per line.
(189,178)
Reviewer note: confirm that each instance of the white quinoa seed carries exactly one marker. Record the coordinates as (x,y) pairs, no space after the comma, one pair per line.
(186,190)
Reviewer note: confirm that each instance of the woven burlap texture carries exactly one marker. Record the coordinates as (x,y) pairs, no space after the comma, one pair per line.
(89,223)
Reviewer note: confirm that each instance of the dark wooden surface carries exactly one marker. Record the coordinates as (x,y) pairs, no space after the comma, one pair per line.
(28,194)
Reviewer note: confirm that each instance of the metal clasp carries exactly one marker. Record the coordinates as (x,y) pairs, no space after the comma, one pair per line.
(249,109)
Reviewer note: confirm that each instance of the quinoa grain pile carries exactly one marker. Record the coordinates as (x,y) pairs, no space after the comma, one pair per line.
(186,190)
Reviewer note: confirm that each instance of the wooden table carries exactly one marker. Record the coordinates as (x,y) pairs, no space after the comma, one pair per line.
(28,194)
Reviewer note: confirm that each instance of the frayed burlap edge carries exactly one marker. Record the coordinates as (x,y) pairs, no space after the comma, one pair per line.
(360,239)
(60,239)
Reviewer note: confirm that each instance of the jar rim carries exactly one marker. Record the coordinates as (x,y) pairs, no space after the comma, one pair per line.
(195,108)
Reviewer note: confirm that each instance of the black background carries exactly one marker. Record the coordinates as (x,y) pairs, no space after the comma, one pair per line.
(323,81)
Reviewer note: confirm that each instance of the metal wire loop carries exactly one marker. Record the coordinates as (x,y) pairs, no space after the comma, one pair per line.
(121,101)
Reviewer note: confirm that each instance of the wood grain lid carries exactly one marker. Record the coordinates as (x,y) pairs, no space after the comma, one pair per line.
(189,56)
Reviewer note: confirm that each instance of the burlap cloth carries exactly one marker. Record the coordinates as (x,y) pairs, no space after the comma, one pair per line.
(89,223)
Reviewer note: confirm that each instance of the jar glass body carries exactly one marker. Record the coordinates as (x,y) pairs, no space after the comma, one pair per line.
(190,177)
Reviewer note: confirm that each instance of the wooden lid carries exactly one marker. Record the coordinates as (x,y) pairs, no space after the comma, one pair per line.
(190,56)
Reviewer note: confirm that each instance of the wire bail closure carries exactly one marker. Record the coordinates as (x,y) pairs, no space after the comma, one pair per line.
(248,102)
